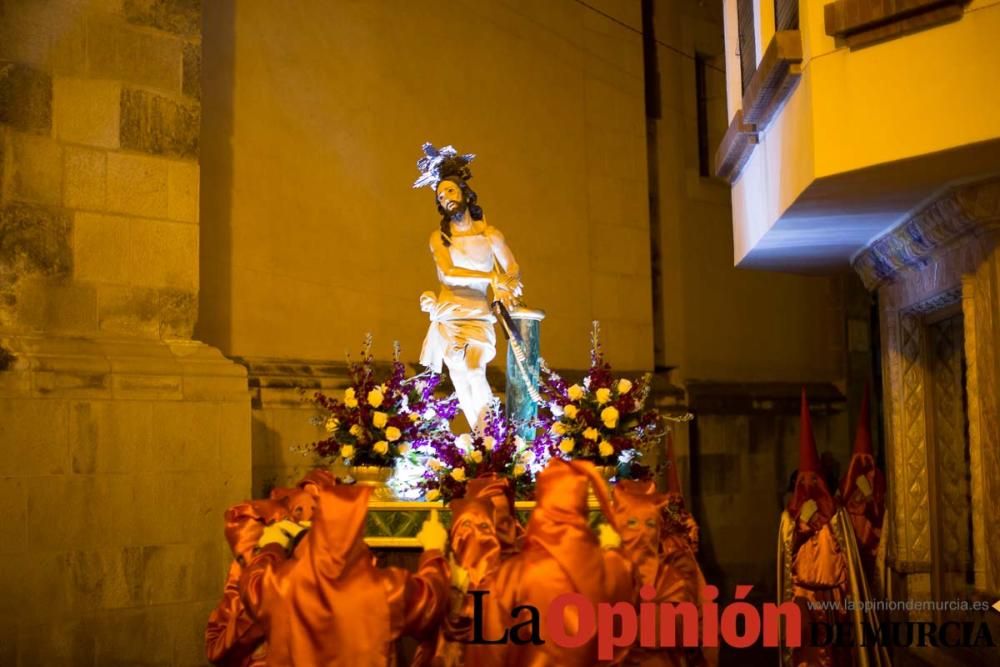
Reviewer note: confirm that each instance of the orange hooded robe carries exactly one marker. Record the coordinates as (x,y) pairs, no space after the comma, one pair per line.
(232,637)
(475,550)
(560,555)
(328,605)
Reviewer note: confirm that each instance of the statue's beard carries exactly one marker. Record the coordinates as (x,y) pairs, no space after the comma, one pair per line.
(456,209)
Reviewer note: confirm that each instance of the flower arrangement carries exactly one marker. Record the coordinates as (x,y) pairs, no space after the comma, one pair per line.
(602,419)
(377,422)
(496,448)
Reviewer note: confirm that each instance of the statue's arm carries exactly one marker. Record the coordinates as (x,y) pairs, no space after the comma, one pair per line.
(503,254)
(449,273)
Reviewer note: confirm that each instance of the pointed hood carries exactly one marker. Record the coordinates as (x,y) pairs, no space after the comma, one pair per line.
(809,484)
(559,525)
(499,491)
(473,538)
(863,434)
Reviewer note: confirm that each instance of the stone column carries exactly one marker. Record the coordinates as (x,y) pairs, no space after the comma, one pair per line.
(520,404)
(123,439)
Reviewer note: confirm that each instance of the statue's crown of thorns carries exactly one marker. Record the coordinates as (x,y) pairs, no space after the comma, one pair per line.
(439,164)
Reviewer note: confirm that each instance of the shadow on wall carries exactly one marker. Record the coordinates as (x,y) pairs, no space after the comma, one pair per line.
(218,78)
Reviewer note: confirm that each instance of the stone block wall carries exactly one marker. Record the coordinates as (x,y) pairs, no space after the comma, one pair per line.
(122,439)
(100,114)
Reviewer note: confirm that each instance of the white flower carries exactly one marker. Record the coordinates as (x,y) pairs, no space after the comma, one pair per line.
(464,442)
(609,416)
(392,434)
(624,386)
(570,411)
(458,474)
(556,410)
(605,448)
(576,392)
(403,447)
(429,413)
(380,447)
(567,445)
(434,464)
(489,443)
(519,443)
(603,395)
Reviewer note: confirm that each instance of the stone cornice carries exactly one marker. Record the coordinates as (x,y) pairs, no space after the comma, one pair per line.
(961,211)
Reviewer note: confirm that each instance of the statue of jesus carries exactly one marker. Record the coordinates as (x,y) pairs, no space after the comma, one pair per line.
(472,258)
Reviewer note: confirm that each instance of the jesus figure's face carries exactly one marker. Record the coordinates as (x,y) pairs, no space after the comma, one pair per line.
(450,198)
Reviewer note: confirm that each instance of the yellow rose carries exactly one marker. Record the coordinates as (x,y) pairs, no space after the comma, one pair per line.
(403,447)
(518,470)
(392,434)
(356,430)
(413,416)
(350,400)
(458,474)
(489,443)
(347,451)
(570,411)
(559,428)
(605,448)
(331,424)
(624,386)
(590,433)
(433,495)
(609,416)
(434,465)
(576,392)
(476,456)
(567,445)
(379,419)
(380,447)
(375,397)
(603,395)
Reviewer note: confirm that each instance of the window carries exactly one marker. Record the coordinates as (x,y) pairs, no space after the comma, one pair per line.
(701,87)
(748,40)
(786,15)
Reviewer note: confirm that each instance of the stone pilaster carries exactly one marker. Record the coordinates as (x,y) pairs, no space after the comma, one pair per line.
(124,440)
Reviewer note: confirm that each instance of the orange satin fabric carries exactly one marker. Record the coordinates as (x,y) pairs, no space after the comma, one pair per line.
(499,491)
(560,555)
(232,637)
(866,512)
(328,604)
(819,573)
(476,548)
(664,557)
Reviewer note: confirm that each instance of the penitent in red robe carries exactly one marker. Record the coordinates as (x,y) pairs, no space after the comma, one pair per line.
(560,555)
(819,564)
(862,492)
(328,604)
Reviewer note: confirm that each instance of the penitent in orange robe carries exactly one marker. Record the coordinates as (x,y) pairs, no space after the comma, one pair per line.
(232,637)
(499,491)
(862,492)
(475,550)
(560,555)
(328,604)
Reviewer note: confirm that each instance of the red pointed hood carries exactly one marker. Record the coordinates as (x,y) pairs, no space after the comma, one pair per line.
(809,483)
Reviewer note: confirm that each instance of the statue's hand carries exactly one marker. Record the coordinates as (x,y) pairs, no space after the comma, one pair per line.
(428,302)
